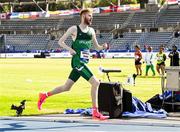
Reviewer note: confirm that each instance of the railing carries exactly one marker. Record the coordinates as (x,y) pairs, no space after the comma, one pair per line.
(160,11)
(127,21)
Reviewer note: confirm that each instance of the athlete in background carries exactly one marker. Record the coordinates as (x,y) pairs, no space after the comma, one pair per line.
(138,57)
(161,58)
(149,58)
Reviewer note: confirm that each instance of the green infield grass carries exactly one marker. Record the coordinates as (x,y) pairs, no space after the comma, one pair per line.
(24,78)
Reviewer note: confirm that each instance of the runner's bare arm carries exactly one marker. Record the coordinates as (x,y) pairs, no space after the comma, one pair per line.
(95,42)
(70,32)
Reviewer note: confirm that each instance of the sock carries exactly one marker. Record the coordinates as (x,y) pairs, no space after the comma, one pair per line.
(97,114)
(48,94)
(95,110)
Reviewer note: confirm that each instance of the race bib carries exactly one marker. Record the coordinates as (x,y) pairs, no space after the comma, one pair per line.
(136,57)
(160,58)
(84,56)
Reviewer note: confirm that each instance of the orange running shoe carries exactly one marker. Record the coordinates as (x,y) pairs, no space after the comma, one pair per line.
(97,115)
(42,98)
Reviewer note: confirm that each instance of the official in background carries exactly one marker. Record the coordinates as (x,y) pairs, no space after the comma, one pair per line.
(174,56)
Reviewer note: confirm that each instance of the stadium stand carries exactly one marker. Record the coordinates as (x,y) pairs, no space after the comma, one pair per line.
(43,42)
(69,21)
(101,38)
(29,24)
(100,21)
(177,42)
(104,37)
(169,16)
(154,39)
(30,43)
(143,20)
(126,39)
(54,43)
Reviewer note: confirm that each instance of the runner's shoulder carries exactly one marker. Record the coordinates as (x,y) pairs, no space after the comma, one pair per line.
(72,29)
(92,30)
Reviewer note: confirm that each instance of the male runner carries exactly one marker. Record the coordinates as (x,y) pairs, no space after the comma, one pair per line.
(83,36)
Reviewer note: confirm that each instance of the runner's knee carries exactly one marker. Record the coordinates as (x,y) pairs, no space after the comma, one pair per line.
(67,86)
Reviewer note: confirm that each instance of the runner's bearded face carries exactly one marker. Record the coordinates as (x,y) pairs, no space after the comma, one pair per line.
(88,19)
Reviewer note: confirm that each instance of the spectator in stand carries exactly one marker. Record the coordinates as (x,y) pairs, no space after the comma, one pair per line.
(145,47)
(174,56)
(127,47)
(58,50)
(176,33)
(161,58)
(149,57)
(8,48)
(138,57)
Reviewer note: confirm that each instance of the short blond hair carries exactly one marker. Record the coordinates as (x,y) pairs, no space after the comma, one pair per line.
(87,10)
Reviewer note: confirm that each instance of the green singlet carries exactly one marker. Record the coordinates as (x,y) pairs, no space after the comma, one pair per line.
(81,45)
